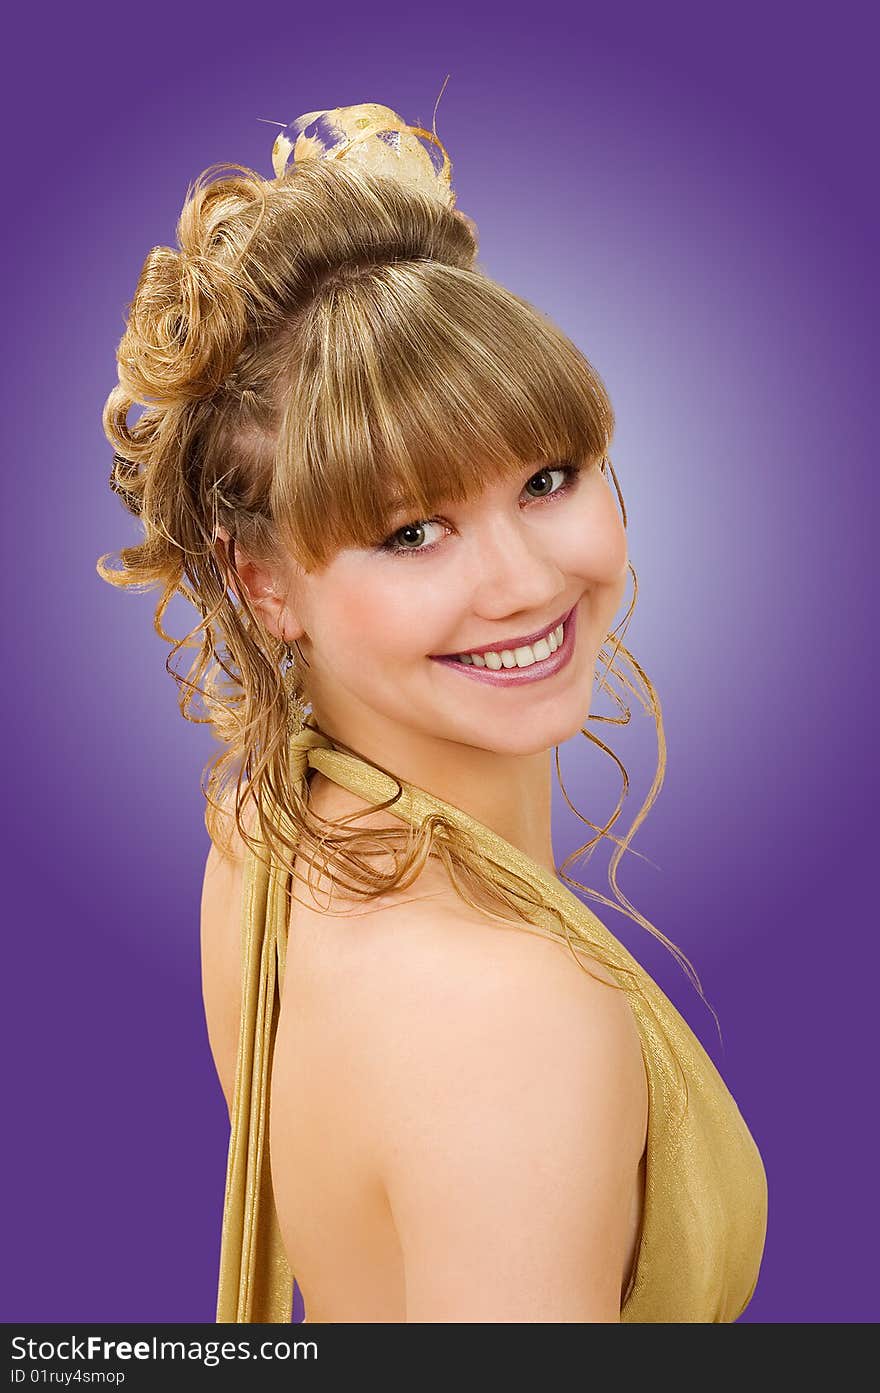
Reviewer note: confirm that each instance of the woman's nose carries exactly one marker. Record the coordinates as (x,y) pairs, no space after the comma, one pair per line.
(515,569)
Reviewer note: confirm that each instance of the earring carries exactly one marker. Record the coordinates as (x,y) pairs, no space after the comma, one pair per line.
(296,714)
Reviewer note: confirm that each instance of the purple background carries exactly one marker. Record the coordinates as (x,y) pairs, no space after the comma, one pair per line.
(690,196)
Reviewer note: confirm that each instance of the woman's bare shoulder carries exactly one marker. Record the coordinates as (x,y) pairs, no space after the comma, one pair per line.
(453,947)
(430,964)
(507,1096)
(430,926)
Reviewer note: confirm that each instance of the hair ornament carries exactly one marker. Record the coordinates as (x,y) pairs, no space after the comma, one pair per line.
(372,137)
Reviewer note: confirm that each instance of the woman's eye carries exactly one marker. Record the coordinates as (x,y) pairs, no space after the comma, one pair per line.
(413,532)
(566,470)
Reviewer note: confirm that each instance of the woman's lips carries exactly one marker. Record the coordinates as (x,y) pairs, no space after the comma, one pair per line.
(518,676)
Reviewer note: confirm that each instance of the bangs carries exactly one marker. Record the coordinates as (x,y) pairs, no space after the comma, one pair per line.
(419,385)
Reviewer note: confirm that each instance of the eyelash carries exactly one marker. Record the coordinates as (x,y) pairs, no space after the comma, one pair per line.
(570,471)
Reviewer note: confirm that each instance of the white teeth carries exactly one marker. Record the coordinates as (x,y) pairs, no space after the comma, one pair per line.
(541,649)
(517,657)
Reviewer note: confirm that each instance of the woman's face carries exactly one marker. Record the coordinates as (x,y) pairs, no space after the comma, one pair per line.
(512,563)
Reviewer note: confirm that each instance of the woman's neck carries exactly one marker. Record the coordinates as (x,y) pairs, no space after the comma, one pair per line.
(509,793)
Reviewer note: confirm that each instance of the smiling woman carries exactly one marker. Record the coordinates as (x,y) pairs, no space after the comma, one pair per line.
(331,385)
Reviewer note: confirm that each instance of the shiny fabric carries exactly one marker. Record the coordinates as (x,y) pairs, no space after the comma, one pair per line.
(705,1214)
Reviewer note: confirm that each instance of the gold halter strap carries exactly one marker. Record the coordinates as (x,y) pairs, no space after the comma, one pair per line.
(309,738)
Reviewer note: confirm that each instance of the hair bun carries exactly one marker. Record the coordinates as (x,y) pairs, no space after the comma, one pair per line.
(185,329)
(371,137)
(189,316)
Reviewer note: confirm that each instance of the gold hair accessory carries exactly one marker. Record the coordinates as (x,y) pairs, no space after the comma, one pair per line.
(372,137)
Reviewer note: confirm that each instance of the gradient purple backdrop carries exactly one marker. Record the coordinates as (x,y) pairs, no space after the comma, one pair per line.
(690,197)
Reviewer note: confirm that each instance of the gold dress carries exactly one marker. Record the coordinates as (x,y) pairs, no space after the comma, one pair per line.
(705,1212)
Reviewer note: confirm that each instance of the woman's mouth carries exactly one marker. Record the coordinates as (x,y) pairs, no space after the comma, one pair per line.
(527,663)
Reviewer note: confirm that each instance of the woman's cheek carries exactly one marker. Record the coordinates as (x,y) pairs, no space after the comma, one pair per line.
(382,615)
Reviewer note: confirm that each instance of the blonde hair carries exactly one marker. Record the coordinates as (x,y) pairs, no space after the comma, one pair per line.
(320,344)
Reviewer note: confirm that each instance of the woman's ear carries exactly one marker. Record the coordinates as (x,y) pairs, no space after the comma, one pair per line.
(227,559)
(259,583)
(221,548)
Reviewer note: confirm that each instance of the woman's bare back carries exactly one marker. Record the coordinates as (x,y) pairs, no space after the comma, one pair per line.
(329,1137)
(329,1140)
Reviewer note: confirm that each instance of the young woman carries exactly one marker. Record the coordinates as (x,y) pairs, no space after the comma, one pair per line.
(383,480)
